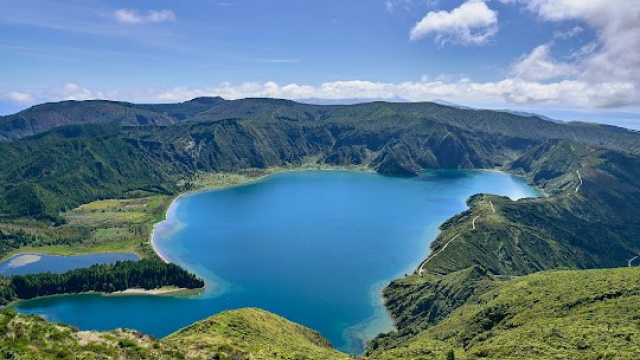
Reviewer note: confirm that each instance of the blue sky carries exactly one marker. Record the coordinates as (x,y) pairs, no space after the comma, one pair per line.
(565,58)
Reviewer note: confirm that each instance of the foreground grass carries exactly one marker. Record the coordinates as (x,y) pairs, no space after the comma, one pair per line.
(590,314)
(252,334)
(31,337)
(240,335)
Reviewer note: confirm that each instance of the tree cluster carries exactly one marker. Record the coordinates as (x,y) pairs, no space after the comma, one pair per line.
(106,278)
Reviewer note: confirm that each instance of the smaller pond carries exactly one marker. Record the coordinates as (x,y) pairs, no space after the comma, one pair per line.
(36,263)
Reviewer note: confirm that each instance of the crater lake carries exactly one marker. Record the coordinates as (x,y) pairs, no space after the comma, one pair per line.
(316,247)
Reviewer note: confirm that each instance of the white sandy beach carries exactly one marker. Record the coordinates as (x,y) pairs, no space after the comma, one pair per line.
(161,291)
(22,260)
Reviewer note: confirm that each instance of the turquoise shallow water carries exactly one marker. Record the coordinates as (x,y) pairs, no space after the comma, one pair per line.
(37,263)
(315,247)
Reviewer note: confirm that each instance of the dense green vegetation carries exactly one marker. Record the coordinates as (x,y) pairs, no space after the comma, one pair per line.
(106,278)
(591,314)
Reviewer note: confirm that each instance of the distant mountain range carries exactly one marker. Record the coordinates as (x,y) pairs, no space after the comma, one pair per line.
(42,118)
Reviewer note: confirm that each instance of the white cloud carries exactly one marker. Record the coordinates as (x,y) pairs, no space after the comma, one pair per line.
(471,23)
(18,98)
(131,16)
(616,57)
(584,51)
(538,65)
(567,34)
(73,91)
(512,90)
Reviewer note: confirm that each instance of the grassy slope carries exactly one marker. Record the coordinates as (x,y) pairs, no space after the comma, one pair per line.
(593,227)
(590,314)
(255,334)
(239,335)
(31,338)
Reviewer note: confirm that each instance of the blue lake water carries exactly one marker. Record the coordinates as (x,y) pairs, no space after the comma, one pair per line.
(36,263)
(314,247)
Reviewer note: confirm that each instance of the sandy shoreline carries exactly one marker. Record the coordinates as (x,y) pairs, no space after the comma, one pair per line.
(160,291)
(153,240)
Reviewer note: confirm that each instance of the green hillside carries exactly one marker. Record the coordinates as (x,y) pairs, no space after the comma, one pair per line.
(590,314)
(239,335)
(252,334)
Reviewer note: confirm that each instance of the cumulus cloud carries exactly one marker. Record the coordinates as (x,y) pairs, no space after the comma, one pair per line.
(472,23)
(133,17)
(513,90)
(74,91)
(538,65)
(615,58)
(66,91)
(18,98)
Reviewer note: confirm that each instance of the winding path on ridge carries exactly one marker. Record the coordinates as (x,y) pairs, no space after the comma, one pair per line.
(473,222)
(579,178)
(420,270)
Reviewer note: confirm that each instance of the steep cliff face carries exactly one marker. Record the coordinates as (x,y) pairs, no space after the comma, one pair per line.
(78,164)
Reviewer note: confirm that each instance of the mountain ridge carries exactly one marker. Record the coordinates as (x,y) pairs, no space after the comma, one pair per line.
(42,118)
